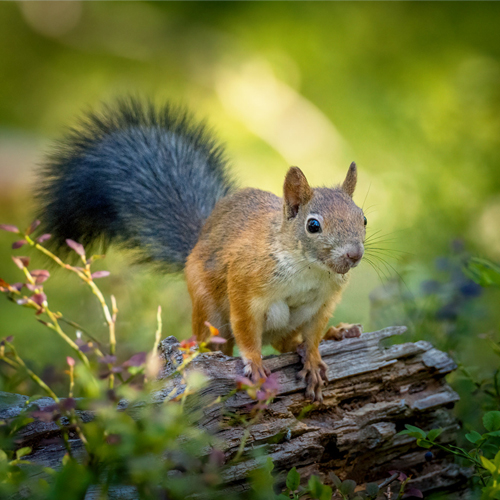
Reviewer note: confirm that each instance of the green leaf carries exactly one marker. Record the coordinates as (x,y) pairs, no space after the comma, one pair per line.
(494,347)
(3,456)
(424,444)
(134,370)
(335,479)
(492,434)
(326,494)
(315,486)
(43,484)
(433,434)
(473,437)
(49,471)
(372,489)
(269,466)
(497,460)
(23,452)
(414,434)
(420,433)
(488,465)
(347,487)
(491,421)
(293,479)
(483,272)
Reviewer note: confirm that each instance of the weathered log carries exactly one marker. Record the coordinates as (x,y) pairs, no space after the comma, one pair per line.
(373,391)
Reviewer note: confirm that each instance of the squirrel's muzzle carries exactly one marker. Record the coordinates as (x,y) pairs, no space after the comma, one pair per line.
(353,256)
(348,257)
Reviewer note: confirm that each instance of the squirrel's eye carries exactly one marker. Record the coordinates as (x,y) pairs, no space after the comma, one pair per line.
(366,222)
(313,226)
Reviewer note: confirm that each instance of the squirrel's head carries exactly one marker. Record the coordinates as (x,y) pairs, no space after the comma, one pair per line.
(328,226)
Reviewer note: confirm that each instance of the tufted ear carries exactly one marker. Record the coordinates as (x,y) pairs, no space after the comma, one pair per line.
(349,184)
(296,192)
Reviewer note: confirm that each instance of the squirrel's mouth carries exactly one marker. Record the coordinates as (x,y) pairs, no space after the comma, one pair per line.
(342,269)
(338,268)
(342,260)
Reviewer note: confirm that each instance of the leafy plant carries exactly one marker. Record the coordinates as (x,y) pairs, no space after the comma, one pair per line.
(154,448)
(484,445)
(347,489)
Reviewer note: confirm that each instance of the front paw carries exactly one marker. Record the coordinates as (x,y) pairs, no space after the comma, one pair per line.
(344,331)
(314,373)
(255,370)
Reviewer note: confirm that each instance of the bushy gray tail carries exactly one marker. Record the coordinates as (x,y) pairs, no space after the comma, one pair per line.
(138,176)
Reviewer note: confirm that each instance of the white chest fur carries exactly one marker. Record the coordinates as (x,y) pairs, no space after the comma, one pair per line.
(296,298)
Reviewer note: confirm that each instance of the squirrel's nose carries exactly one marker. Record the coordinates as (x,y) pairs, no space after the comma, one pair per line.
(353,256)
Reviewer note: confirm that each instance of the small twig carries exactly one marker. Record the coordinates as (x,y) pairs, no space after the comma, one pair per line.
(152,360)
(389,480)
(18,362)
(71,377)
(86,276)
(57,328)
(110,319)
(158,331)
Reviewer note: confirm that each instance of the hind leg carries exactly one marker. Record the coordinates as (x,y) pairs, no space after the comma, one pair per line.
(228,347)
(203,312)
(343,331)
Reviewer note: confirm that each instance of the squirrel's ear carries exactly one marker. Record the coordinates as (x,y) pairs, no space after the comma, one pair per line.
(296,191)
(349,184)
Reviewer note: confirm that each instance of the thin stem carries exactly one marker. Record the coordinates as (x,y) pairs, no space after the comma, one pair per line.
(71,381)
(153,355)
(107,314)
(79,328)
(459,452)
(246,433)
(243,443)
(57,328)
(128,380)
(86,276)
(28,276)
(158,330)
(389,480)
(20,363)
(110,319)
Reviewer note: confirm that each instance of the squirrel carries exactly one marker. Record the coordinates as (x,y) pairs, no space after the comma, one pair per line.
(260,268)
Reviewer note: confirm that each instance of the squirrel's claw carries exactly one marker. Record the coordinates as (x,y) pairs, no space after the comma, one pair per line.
(315,376)
(255,371)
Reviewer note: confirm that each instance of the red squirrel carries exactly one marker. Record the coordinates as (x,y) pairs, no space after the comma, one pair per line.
(262,269)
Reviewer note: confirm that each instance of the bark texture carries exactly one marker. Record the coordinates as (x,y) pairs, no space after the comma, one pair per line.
(373,391)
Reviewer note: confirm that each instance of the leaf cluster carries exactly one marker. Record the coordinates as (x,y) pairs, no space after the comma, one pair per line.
(483,455)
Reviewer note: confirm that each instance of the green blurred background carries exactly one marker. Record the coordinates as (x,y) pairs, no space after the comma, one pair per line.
(410,91)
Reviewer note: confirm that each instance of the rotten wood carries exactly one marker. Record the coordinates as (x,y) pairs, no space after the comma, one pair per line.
(373,391)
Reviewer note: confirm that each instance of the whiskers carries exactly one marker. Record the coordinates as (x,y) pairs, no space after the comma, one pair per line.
(378,254)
